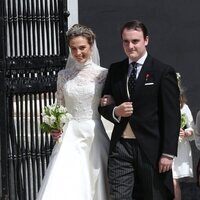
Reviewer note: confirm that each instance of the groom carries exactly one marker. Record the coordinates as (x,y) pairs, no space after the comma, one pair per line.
(145,111)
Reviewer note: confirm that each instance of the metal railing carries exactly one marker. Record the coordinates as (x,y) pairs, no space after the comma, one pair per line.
(33,51)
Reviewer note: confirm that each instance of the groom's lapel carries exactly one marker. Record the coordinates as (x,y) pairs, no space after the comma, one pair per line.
(144,75)
(123,83)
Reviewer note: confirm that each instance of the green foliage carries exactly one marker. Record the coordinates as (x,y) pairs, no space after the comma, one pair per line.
(183,121)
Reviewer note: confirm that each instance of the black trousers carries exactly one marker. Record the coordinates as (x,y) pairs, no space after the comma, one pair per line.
(131,176)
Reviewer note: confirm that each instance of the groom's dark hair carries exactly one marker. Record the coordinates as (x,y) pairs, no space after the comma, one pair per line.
(135,25)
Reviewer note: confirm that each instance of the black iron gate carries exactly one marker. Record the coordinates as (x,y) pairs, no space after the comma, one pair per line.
(33,50)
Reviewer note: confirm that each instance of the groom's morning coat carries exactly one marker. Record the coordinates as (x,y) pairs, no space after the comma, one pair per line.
(156,115)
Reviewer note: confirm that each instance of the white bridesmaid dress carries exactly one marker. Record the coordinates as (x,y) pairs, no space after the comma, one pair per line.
(182,165)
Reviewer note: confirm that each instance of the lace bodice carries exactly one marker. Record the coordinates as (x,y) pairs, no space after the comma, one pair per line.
(79,89)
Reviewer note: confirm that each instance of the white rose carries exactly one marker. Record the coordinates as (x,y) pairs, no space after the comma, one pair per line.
(46,119)
(52,119)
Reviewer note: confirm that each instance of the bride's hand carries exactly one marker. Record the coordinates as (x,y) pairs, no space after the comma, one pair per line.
(56,134)
(106,100)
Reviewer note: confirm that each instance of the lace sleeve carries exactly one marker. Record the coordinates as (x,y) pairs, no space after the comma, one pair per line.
(60,83)
(103,75)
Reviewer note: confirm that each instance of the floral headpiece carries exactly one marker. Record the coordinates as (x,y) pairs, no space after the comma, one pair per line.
(179,82)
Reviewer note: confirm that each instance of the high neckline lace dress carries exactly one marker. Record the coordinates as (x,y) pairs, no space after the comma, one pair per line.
(77,170)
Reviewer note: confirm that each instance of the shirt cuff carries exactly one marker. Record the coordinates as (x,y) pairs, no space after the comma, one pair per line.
(168,155)
(117,119)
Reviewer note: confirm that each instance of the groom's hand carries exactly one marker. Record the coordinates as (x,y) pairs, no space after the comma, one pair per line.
(124,110)
(165,163)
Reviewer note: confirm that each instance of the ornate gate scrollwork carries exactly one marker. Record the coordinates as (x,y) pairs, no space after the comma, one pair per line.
(33,50)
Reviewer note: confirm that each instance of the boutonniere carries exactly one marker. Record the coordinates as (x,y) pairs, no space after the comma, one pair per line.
(147,76)
(149,79)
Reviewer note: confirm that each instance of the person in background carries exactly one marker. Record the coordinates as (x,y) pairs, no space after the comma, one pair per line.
(197,130)
(145,110)
(197,142)
(78,166)
(182,166)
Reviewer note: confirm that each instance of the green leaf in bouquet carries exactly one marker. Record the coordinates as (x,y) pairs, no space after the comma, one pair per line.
(183,120)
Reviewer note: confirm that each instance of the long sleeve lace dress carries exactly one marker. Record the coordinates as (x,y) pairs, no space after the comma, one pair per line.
(77,170)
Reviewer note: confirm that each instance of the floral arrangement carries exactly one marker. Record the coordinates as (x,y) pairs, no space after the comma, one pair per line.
(183,121)
(178,76)
(54,117)
(183,124)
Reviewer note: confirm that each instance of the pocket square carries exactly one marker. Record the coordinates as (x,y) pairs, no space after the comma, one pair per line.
(149,84)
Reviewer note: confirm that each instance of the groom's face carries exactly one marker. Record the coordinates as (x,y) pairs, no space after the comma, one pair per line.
(134,43)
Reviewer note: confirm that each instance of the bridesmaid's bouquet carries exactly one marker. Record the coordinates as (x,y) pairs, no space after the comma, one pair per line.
(54,117)
(183,124)
(183,121)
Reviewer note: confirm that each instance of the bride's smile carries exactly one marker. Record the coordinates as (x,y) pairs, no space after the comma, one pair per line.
(80,49)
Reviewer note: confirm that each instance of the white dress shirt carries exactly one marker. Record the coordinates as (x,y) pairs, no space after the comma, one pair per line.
(128,132)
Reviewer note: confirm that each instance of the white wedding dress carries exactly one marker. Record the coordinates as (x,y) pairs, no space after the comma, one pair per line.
(77,170)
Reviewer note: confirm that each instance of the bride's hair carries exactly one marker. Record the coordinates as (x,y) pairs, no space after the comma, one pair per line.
(80,30)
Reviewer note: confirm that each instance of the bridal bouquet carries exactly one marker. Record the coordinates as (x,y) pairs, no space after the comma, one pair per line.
(54,117)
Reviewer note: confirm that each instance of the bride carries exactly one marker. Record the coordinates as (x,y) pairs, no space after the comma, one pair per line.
(77,170)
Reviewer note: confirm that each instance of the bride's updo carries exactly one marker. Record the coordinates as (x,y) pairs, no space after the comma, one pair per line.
(80,30)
